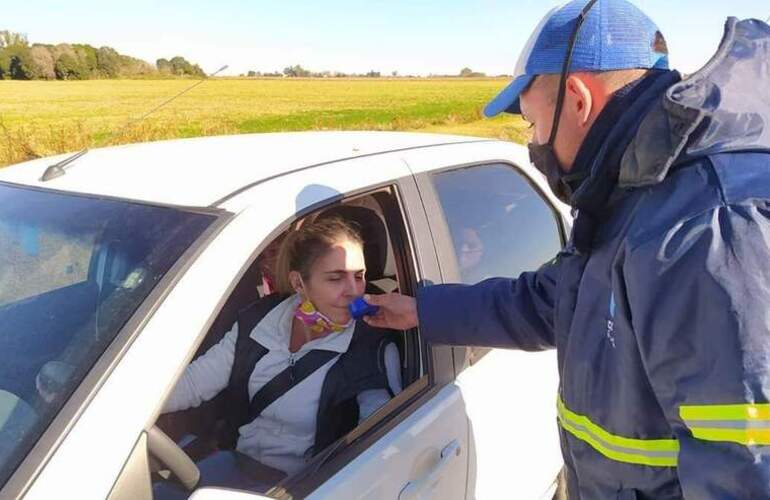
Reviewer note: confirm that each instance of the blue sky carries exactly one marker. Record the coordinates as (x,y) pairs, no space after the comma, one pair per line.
(410,36)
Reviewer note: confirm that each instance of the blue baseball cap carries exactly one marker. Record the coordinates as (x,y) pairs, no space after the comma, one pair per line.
(615,35)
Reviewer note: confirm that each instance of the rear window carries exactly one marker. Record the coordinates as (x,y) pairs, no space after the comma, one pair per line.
(73,269)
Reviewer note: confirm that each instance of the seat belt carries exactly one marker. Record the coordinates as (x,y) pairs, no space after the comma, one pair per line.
(287,379)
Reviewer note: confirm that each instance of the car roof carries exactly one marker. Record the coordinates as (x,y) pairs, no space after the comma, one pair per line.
(200,171)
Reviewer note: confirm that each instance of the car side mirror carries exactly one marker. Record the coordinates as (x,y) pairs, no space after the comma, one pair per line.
(211,493)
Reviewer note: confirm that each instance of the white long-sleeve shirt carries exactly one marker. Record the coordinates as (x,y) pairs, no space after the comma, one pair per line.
(281,435)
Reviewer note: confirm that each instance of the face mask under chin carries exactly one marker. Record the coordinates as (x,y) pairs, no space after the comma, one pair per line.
(544,159)
(315,320)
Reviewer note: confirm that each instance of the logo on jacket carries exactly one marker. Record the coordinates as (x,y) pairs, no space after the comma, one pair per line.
(611,321)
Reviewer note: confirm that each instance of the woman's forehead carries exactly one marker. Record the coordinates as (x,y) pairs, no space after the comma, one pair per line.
(344,256)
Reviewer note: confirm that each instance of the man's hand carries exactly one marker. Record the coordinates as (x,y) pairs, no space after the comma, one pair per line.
(397,312)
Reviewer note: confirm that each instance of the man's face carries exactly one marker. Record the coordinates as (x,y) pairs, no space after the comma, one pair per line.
(538,104)
(537,108)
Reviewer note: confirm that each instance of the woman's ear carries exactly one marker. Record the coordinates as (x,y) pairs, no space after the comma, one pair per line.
(295,280)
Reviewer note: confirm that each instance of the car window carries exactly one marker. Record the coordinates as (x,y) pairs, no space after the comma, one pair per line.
(379,218)
(73,269)
(499,223)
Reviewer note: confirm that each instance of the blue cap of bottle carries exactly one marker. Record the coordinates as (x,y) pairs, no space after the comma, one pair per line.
(360,308)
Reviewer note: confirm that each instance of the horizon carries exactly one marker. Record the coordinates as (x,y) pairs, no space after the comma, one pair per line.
(344,36)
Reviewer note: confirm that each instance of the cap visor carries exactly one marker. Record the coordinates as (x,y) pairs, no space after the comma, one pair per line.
(508,100)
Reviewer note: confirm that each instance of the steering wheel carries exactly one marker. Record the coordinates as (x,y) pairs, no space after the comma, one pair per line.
(168,453)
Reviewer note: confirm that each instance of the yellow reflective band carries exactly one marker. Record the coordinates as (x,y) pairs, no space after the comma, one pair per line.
(747,437)
(725,412)
(654,452)
(746,424)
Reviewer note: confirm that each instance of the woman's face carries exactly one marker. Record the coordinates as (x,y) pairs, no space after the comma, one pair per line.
(336,279)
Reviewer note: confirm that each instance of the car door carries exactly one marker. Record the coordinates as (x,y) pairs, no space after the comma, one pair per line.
(489,217)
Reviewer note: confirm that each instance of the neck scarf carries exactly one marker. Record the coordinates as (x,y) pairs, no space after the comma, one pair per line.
(316,321)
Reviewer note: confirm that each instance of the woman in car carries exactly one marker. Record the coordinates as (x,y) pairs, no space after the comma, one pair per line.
(299,371)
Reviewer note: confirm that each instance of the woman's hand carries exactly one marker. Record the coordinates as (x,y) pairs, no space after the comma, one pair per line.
(397,312)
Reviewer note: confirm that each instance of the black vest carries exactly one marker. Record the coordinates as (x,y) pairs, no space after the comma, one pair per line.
(360,368)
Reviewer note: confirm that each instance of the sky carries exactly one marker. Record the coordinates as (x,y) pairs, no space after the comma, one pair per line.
(417,37)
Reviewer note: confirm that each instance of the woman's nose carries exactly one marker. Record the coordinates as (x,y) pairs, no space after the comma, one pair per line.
(350,286)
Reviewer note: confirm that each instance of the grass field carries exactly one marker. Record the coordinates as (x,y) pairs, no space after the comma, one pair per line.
(42,118)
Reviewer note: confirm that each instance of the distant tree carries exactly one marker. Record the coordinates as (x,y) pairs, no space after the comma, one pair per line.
(107,62)
(68,67)
(86,56)
(198,71)
(179,66)
(9,38)
(394,73)
(43,61)
(131,66)
(19,60)
(296,71)
(469,73)
(251,74)
(62,48)
(5,65)
(164,66)
(21,64)
(15,61)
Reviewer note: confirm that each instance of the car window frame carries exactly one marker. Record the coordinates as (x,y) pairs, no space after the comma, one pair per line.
(448,260)
(423,261)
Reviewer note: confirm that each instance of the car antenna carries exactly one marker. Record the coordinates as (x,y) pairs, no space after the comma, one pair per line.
(59,168)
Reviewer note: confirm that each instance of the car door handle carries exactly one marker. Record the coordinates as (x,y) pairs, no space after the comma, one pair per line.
(422,487)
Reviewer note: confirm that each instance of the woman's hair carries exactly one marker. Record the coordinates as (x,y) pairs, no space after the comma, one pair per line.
(301,248)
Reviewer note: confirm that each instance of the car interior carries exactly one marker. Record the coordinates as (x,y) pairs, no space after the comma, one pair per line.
(377,215)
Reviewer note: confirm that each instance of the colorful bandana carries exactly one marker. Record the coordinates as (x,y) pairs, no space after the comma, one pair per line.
(316,321)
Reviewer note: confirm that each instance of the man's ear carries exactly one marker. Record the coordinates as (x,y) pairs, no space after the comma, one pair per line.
(580,99)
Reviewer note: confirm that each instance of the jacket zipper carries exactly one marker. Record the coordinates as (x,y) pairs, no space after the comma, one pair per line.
(292,360)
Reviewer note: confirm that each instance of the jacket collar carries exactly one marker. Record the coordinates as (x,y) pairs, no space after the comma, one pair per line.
(724,107)
(720,108)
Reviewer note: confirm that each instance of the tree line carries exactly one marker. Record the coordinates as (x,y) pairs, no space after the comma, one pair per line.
(297,71)
(20,60)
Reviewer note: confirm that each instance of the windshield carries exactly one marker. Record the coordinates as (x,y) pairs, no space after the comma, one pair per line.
(73,269)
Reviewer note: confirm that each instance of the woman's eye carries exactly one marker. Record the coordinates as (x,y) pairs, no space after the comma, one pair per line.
(531,126)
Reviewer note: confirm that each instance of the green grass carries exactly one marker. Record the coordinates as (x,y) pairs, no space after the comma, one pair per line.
(43,118)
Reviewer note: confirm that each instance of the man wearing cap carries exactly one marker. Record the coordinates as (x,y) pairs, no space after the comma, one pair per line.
(659,305)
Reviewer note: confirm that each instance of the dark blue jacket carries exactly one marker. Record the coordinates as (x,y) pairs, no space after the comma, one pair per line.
(660,305)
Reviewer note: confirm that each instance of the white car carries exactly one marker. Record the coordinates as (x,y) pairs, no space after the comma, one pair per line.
(127,262)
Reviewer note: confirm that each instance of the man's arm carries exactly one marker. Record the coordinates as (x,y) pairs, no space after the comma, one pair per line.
(498,312)
(698,297)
